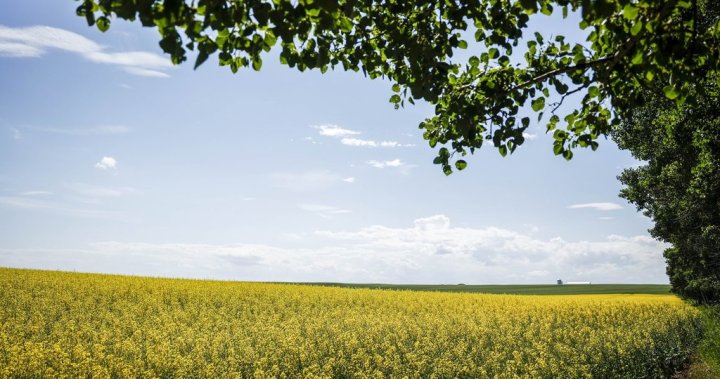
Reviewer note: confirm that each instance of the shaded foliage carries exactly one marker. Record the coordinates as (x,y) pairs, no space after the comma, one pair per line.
(679,185)
(631,45)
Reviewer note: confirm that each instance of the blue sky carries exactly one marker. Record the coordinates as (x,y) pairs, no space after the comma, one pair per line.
(112,160)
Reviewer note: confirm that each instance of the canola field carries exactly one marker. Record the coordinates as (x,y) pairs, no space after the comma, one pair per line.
(55,324)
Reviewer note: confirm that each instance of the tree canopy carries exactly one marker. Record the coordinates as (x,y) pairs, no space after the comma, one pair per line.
(679,185)
(631,45)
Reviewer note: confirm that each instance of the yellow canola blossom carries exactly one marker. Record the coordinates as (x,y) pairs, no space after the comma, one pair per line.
(65,325)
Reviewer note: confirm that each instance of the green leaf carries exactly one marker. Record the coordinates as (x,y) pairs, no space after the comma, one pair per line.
(630,12)
(593,91)
(538,104)
(671,92)
(460,164)
(638,58)
(525,122)
(257,64)
(636,28)
(474,61)
(201,58)
(462,44)
(395,99)
(502,150)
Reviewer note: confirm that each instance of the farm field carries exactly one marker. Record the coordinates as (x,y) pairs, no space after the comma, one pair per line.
(55,324)
(519,289)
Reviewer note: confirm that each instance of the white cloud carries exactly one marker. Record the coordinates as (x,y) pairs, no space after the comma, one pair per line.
(597,206)
(145,72)
(384,164)
(358,142)
(18,50)
(349,180)
(34,41)
(325,211)
(106,163)
(16,134)
(370,143)
(330,130)
(347,137)
(430,250)
(530,136)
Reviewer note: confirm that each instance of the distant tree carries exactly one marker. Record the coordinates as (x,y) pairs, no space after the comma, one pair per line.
(679,184)
(632,45)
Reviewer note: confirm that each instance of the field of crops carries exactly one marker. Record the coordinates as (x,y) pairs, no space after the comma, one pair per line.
(63,324)
(518,289)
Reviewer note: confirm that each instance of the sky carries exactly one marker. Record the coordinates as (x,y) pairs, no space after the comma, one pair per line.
(113,160)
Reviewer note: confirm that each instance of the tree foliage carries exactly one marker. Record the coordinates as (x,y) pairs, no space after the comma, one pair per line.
(679,186)
(631,44)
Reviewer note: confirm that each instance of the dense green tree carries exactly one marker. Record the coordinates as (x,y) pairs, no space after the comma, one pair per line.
(631,45)
(678,186)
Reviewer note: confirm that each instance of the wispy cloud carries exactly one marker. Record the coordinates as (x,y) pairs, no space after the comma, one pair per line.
(35,41)
(106,163)
(348,137)
(529,136)
(330,130)
(325,211)
(371,143)
(349,180)
(384,164)
(597,206)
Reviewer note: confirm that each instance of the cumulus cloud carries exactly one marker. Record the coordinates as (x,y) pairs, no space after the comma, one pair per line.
(384,164)
(428,250)
(106,163)
(597,206)
(34,41)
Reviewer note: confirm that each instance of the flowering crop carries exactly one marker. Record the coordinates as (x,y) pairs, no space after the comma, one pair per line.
(56,324)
